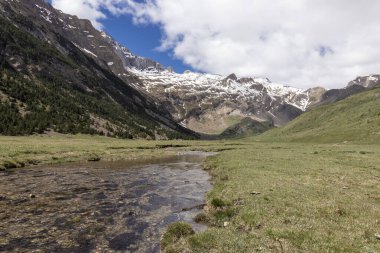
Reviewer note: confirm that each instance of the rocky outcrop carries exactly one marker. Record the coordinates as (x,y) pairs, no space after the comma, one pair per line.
(335,95)
(366,81)
(315,95)
(360,84)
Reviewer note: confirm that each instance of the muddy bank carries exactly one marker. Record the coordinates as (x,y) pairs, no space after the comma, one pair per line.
(99,207)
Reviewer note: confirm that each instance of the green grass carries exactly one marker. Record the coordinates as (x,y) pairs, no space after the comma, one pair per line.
(266,197)
(292,198)
(23,151)
(355,119)
(174,233)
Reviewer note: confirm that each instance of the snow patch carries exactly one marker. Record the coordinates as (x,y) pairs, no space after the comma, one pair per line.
(89,52)
(373,78)
(242,88)
(85,50)
(45,13)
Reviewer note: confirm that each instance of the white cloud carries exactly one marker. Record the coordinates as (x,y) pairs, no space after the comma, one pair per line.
(83,9)
(92,10)
(299,42)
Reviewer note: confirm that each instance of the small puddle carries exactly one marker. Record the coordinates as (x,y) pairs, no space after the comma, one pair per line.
(100,207)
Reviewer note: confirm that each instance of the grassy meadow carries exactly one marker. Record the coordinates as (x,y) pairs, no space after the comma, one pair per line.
(267,196)
(280,197)
(20,151)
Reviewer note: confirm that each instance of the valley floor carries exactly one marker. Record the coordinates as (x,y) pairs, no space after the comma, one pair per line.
(267,197)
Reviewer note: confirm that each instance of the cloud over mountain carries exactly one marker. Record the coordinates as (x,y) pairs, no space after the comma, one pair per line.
(300,42)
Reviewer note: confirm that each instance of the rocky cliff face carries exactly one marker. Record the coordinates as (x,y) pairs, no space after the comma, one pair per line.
(366,81)
(101,47)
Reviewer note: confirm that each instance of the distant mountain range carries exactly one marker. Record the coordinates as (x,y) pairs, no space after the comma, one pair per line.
(98,86)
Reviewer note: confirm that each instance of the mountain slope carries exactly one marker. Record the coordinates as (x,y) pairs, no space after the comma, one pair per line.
(360,84)
(356,118)
(246,127)
(50,84)
(211,103)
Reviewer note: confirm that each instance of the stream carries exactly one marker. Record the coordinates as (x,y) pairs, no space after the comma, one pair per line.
(100,207)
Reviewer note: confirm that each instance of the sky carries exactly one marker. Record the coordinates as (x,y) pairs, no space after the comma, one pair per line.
(301,43)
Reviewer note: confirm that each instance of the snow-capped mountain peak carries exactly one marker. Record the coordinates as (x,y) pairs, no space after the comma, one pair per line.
(198,100)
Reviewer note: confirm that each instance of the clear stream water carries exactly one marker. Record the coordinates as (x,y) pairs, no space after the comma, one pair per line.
(100,207)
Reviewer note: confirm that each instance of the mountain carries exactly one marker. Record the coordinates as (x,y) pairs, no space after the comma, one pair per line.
(211,103)
(356,118)
(366,81)
(53,81)
(246,127)
(360,84)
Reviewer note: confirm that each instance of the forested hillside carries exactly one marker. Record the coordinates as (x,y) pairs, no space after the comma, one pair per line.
(43,89)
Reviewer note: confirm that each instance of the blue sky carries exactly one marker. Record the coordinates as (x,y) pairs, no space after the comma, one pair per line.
(141,39)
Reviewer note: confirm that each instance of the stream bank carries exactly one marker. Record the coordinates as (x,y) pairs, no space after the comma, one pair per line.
(100,207)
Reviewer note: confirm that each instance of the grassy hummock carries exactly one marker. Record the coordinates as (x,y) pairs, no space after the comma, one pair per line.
(174,233)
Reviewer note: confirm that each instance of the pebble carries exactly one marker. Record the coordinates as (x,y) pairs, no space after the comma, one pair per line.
(226,223)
